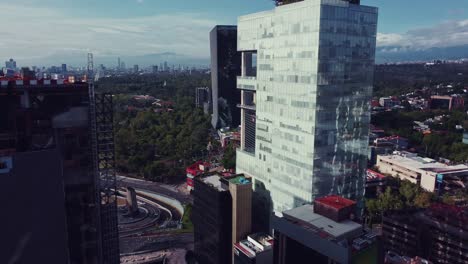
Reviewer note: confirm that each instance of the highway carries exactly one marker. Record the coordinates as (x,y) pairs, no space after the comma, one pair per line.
(159,188)
(152,240)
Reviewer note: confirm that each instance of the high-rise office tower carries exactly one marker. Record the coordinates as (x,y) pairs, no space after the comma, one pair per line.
(119,64)
(56,164)
(10,64)
(305,102)
(136,68)
(64,68)
(202,98)
(225,67)
(155,69)
(221,216)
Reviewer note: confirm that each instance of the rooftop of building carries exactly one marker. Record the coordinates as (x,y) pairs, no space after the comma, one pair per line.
(255,244)
(413,161)
(448,213)
(26,83)
(238,180)
(373,175)
(335,201)
(326,227)
(265,240)
(198,168)
(213,181)
(221,182)
(394,137)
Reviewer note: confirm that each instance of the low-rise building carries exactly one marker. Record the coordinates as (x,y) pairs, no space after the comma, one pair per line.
(375,183)
(448,102)
(194,170)
(425,172)
(396,142)
(228,136)
(324,233)
(256,249)
(388,102)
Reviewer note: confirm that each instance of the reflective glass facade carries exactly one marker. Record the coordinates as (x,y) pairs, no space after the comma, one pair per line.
(225,67)
(313,86)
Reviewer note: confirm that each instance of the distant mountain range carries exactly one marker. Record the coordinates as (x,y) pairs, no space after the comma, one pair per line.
(387,54)
(391,54)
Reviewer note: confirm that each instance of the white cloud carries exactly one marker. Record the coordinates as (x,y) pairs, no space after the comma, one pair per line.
(35,32)
(446,34)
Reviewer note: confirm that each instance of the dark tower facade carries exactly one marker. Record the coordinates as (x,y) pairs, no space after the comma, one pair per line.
(57,159)
(225,67)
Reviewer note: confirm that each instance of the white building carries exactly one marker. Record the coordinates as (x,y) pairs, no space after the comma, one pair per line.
(305,107)
(421,171)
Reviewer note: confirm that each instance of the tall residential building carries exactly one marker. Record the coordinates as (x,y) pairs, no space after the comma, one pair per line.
(221,216)
(307,75)
(56,167)
(438,234)
(202,98)
(10,64)
(225,67)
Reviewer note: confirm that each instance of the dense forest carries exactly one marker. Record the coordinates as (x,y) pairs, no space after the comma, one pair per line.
(157,144)
(165,86)
(394,80)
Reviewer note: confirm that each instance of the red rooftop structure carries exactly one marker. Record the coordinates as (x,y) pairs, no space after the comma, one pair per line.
(334,207)
(195,170)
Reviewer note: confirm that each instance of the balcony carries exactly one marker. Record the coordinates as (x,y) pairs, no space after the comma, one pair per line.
(247,83)
(248,107)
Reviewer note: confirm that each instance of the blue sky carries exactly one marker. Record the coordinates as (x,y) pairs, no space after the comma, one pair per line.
(40,28)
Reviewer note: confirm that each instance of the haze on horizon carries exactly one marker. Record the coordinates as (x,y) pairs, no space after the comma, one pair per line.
(54,31)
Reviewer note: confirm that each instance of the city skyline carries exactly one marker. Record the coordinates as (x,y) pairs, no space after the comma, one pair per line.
(137,28)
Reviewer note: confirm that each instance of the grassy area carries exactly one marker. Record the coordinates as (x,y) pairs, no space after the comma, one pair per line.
(187,224)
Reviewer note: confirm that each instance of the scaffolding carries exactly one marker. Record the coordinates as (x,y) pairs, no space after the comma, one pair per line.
(107,177)
(103,156)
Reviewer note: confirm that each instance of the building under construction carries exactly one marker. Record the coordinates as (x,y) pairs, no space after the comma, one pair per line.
(57,173)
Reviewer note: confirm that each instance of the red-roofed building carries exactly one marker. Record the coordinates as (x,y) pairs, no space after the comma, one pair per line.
(194,170)
(375,182)
(334,207)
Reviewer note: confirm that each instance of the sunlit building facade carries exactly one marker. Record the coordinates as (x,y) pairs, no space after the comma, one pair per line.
(306,83)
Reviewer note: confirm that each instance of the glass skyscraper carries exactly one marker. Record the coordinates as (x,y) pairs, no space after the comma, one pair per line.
(306,87)
(225,66)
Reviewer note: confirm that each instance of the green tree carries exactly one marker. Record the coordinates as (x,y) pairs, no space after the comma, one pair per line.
(448,199)
(229,157)
(409,191)
(373,208)
(423,200)
(390,201)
